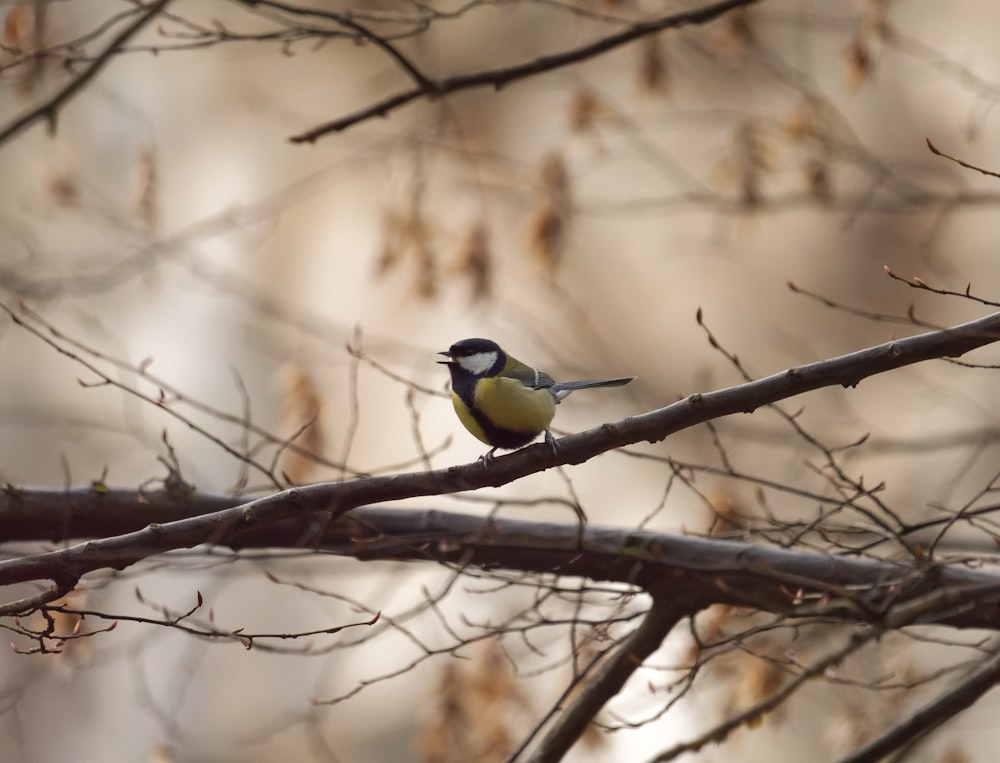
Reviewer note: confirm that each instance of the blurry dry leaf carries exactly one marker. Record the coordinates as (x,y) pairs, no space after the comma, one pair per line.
(863,49)
(549,223)
(734,36)
(809,123)
(161,754)
(20,29)
(729,516)
(584,110)
(905,672)
(398,231)
(427,281)
(441,739)
(64,190)
(955,754)
(818,181)
(852,724)
(547,236)
(389,256)
(300,408)
(477,702)
(23,31)
(755,159)
(749,161)
(494,700)
(859,63)
(492,679)
(408,235)
(809,126)
(475,260)
(652,74)
(799,125)
(875,17)
(555,179)
(148,189)
(756,680)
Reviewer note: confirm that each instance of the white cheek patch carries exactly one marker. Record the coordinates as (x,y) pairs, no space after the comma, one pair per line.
(479,363)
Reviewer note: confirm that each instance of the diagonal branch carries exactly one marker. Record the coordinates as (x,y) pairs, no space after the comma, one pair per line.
(754,713)
(228,526)
(364,34)
(612,674)
(503,76)
(48,109)
(941,709)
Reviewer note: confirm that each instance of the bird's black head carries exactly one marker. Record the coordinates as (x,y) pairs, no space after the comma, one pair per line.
(476,357)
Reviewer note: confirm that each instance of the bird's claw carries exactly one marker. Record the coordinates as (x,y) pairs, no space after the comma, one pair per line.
(551,442)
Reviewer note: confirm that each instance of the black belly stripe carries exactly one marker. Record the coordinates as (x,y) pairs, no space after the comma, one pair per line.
(507,439)
(503,438)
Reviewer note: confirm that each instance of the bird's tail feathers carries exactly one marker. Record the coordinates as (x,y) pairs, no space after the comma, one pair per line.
(562,389)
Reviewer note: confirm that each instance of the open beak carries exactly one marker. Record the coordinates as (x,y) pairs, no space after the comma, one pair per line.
(448,362)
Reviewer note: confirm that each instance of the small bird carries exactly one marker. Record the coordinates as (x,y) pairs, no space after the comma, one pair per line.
(500,400)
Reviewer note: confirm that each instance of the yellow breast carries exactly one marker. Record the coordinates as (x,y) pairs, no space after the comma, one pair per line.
(468,420)
(508,404)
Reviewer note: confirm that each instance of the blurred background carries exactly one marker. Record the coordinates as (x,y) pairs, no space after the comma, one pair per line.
(177,241)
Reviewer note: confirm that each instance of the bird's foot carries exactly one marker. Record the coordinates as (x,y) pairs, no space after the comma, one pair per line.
(551,442)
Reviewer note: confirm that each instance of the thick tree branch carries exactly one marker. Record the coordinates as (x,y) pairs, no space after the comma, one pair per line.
(612,674)
(501,77)
(891,593)
(233,525)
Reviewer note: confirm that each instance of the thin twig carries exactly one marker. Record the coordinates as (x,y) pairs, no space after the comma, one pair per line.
(363,35)
(942,708)
(754,713)
(935,150)
(612,674)
(48,109)
(503,76)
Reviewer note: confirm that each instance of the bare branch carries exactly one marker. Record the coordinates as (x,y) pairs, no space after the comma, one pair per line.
(364,34)
(612,674)
(799,583)
(501,77)
(104,379)
(47,110)
(35,601)
(928,718)
(751,714)
(935,150)
(229,525)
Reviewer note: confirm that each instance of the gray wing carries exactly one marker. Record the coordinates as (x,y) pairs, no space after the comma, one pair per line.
(530,377)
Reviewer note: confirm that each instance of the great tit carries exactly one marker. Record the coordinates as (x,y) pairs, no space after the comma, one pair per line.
(500,400)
